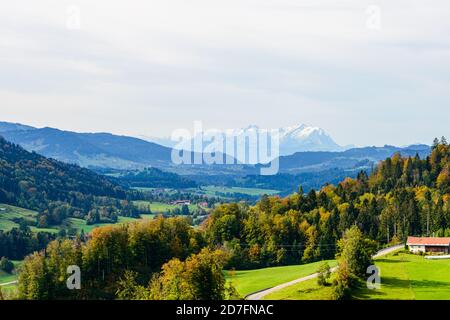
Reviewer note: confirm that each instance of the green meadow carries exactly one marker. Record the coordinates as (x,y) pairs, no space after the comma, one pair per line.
(404,276)
(80,224)
(10,289)
(250,281)
(10,215)
(7,277)
(159,207)
(213,190)
(411,277)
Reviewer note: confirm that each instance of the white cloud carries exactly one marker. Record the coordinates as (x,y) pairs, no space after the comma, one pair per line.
(151,66)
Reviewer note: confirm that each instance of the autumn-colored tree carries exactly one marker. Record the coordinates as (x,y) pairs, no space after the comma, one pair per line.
(355,255)
(200,277)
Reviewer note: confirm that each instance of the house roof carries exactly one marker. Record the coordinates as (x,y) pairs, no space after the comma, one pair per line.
(430,241)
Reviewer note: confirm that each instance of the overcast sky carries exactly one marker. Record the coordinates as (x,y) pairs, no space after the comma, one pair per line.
(368,72)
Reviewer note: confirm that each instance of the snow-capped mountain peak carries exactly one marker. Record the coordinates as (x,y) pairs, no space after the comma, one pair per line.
(292,138)
(305,138)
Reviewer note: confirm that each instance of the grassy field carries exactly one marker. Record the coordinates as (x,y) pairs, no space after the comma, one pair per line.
(9,277)
(213,190)
(306,290)
(403,277)
(10,214)
(80,224)
(148,216)
(250,281)
(10,290)
(160,207)
(411,277)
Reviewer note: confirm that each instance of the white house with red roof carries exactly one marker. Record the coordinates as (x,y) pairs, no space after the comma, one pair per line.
(429,244)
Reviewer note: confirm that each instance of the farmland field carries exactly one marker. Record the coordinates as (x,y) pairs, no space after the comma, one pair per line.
(306,290)
(9,290)
(148,216)
(249,281)
(9,277)
(403,277)
(408,276)
(9,215)
(80,224)
(6,277)
(213,190)
(159,207)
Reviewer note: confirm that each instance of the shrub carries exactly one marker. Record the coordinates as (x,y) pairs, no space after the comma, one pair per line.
(6,265)
(324,274)
(343,283)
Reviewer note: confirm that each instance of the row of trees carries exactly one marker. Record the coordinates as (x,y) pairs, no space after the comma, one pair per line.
(200,277)
(140,247)
(19,242)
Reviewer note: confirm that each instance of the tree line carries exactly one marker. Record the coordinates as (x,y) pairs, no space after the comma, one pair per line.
(20,242)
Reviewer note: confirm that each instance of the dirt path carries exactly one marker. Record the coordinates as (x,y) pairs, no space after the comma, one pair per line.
(261,294)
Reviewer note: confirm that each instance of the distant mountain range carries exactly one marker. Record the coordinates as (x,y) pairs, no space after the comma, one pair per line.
(355,158)
(105,150)
(88,149)
(7,126)
(293,139)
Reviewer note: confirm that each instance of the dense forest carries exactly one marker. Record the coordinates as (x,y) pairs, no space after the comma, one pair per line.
(141,248)
(19,242)
(168,259)
(155,178)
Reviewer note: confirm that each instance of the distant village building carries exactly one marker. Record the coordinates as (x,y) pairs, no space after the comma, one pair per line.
(429,244)
(181,202)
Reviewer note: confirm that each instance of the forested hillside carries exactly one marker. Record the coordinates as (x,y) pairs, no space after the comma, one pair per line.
(403,196)
(55,189)
(155,178)
(90,149)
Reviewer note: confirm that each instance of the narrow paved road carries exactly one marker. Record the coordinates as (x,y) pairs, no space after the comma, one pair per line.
(7,283)
(261,294)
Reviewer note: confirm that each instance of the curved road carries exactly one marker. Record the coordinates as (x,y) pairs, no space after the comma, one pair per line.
(261,294)
(7,283)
